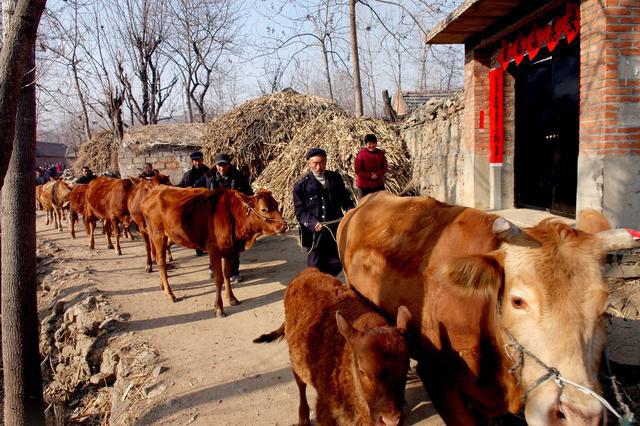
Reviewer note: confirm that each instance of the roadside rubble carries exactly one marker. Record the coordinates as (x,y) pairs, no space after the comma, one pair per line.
(94,372)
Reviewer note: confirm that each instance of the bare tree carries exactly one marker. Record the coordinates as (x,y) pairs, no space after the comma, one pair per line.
(143,32)
(202,33)
(316,25)
(69,40)
(23,403)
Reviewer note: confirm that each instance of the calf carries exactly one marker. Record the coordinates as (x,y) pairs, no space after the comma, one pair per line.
(356,361)
(45,201)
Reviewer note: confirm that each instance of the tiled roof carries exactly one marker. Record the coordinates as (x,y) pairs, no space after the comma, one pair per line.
(48,149)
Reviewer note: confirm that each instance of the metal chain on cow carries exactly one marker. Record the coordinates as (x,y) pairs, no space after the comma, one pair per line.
(559,380)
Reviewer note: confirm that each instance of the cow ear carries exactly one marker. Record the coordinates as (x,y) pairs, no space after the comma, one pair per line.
(345,328)
(403,319)
(476,273)
(591,221)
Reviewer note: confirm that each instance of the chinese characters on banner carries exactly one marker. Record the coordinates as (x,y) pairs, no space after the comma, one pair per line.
(530,44)
(496,115)
(523,45)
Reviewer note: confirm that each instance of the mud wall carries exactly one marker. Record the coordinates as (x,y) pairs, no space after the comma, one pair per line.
(433,135)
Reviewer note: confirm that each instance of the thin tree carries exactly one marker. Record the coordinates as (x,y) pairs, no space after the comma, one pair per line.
(355,57)
(23,403)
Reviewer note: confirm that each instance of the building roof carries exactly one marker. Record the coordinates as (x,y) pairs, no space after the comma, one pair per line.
(415,98)
(474,18)
(48,149)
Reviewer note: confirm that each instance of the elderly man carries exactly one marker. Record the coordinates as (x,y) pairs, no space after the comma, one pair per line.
(320,196)
(198,169)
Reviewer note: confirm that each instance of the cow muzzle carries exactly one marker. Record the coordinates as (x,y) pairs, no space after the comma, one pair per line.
(574,415)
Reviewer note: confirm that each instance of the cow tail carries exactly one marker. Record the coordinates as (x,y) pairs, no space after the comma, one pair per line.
(275,335)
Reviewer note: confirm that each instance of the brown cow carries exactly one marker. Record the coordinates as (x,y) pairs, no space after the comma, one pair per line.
(357,362)
(134,204)
(60,193)
(222,222)
(77,205)
(106,199)
(496,307)
(38,195)
(47,205)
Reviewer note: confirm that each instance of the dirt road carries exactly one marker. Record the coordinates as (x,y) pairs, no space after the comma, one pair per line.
(214,373)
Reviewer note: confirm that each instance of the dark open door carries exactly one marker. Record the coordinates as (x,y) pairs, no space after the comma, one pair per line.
(546,143)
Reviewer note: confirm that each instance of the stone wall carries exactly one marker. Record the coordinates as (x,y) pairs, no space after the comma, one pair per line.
(433,135)
(171,161)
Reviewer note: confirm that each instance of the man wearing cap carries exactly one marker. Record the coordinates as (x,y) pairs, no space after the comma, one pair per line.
(320,196)
(227,176)
(198,169)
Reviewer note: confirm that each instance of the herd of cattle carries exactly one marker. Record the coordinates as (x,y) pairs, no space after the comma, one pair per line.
(500,319)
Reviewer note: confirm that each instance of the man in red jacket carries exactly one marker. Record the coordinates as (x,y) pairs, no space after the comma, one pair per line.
(371,166)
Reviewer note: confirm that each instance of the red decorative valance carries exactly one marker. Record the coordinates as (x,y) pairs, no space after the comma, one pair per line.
(530,44)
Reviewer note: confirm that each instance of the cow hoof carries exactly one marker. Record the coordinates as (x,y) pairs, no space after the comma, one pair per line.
(219,313)
(110,247)
(119,252)
(174,299)
(149,269)
(234,302)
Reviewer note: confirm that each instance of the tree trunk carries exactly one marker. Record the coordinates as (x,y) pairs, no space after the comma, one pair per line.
(356,60)
(326,68)
(18,44)
(23,403)
(83,104)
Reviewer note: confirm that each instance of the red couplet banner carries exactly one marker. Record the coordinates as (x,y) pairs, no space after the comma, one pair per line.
(496,116)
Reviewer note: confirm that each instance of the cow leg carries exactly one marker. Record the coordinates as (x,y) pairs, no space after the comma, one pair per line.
(159,244)
(148,248)
(92,228)
(226,270)
(216,263)
(46,214)
(114,222)
(107,229)
(169,255)
(303,407)
(73,218)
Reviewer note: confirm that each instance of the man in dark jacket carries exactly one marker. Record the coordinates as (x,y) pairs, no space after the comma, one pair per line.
(198,169)
(148,171)
(320,196)
(87,176)
(226,176)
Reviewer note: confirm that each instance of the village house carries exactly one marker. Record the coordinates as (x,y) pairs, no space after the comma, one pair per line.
(551,104)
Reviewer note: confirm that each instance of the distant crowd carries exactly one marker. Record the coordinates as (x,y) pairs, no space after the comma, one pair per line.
(46,171)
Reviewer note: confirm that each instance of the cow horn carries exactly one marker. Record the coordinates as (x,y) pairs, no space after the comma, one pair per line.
(510,233)
(617,239)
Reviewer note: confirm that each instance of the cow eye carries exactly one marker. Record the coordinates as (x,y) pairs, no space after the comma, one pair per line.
(263,210)
(518,302)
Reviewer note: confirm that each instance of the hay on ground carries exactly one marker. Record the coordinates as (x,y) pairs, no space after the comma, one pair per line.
(100,154)
(341,135)
(257,131)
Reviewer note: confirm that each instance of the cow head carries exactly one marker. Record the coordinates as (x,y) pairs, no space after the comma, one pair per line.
(550,298)
(380,364)
(263,210)
(553,302)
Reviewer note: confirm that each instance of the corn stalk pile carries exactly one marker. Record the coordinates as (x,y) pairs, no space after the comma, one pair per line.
(341,135)
(100,154)
(257,131)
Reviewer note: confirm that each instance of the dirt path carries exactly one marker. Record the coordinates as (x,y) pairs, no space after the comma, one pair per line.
(214,373)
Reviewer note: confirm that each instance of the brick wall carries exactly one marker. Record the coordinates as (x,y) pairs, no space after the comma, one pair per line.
(609,158)
(172,162)
(610,77)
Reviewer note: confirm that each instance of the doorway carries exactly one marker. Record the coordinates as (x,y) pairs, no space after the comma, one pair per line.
(547,99)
